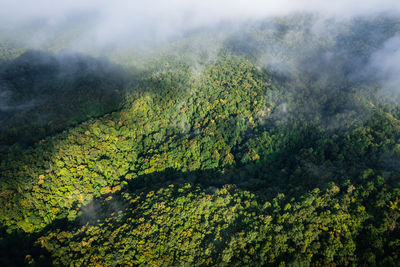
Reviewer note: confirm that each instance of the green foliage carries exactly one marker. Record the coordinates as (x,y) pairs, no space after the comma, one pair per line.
(221,166)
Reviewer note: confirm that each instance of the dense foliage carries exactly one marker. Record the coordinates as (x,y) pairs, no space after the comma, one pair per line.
(222,162)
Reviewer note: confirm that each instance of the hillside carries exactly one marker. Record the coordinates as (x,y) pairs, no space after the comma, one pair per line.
(260,150)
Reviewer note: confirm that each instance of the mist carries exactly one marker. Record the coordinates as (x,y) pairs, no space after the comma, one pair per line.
(385,64)
(102,28)
(101,24)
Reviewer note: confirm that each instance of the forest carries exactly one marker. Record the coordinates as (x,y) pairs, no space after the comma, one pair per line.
(273,145)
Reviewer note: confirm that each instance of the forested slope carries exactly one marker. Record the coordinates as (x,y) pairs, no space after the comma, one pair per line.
(222,162)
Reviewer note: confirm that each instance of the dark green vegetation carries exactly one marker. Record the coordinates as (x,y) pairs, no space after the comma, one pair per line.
(42,93)
(216,160)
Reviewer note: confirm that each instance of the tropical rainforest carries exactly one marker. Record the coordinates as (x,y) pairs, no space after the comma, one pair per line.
(276,144)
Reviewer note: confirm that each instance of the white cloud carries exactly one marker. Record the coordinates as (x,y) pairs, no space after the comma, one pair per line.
(160,19)
(385,63)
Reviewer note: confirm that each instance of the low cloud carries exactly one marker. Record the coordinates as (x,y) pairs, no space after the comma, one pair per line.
(385,64)
(104,23)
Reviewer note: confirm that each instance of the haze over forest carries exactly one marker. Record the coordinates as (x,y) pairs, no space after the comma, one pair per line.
(227,133)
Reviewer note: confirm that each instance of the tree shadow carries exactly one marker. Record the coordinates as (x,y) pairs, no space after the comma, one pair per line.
(18,249)
(43,93)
